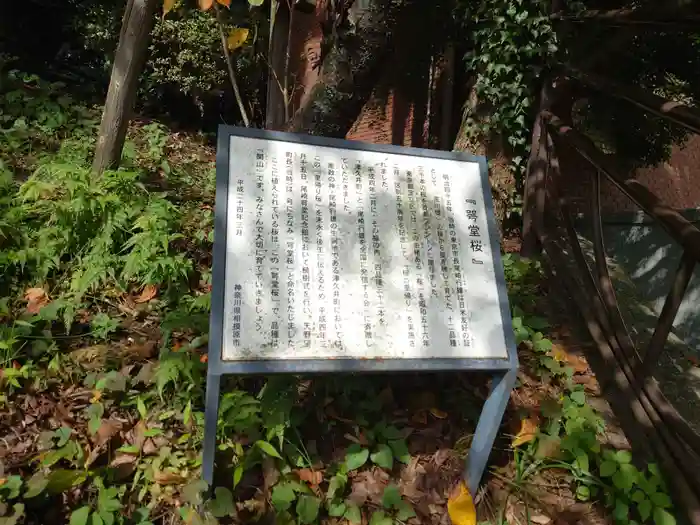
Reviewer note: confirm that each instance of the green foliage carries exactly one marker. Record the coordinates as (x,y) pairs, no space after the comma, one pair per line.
(185,66)
(511,42)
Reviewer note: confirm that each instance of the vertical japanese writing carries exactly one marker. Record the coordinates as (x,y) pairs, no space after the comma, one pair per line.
(476,244)
(364,271)
(432,271)
(335,249)
(260,251)
(377,278)
(240,191)
(275,251)
(305,269)
(406,270)
(421,231)
(290,250)
(237,300)
(320,281)
(414,255)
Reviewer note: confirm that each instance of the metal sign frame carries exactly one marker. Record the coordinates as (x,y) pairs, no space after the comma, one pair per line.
(505,370)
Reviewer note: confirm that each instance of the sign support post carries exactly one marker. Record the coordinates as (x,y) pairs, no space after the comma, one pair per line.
(334,256)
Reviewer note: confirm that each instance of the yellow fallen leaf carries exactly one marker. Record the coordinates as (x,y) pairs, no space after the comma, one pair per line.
(3,481)
(227,3)
(460,506)
(237,38)
(205,5)
(168,6)
(576,362)
(96,396)
(440,414)
(528,431)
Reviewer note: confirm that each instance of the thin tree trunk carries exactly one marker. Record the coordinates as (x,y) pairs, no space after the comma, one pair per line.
(129,60)
(350,72)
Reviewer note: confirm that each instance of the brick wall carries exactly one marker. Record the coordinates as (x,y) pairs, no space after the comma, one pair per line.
(674,181)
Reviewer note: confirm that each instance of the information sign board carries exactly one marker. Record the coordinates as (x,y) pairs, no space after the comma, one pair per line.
(337,256)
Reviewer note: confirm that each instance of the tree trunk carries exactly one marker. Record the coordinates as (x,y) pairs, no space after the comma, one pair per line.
(129,60)
(350,72)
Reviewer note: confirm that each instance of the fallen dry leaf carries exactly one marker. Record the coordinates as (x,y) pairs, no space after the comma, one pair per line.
(527,432)
(540,519)
(36,299)
(440,414)
(460,506)
(168,477)
(149,292)
(313,477)
(123,465)
(108,428)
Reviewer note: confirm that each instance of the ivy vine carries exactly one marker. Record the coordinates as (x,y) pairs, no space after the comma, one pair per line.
(510,43)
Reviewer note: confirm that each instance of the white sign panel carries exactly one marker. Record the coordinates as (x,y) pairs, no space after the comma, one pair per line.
(338,253)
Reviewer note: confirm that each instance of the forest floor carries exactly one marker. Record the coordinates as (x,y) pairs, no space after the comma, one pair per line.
(104,304)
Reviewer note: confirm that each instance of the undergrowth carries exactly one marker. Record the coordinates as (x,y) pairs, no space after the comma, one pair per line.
(104,304)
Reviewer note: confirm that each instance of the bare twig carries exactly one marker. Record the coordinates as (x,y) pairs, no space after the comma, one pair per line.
(285,91)
(229,65)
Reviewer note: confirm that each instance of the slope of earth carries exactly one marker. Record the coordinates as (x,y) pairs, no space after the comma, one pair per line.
(104,305)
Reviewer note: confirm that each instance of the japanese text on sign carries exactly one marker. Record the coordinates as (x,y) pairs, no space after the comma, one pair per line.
(335,253)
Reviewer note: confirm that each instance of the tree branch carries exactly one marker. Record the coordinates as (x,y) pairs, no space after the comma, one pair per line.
(229,65)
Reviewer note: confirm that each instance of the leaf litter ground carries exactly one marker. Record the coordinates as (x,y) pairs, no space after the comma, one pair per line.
(436,413)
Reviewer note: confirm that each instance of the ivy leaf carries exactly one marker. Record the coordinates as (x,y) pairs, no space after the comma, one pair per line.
(625,477)
(282,496)
(621,511)
(36,485)
(80,516)
(405,511)
(383,457)
(660,499)
(222,505)
(583,493)
(60,480)
(63,434)
(268,449)
(578,397)
(380,518)
(623,456)
(237,475)
(391,497)
(307,508)
(662,517)
(353,514)
(336,509)
(644,509)
(337,483)
(355,457)
(608,468)
(582,460)
(400,450)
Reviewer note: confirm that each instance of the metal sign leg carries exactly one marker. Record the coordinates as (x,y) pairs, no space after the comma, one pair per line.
(487,427)
(211,416)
